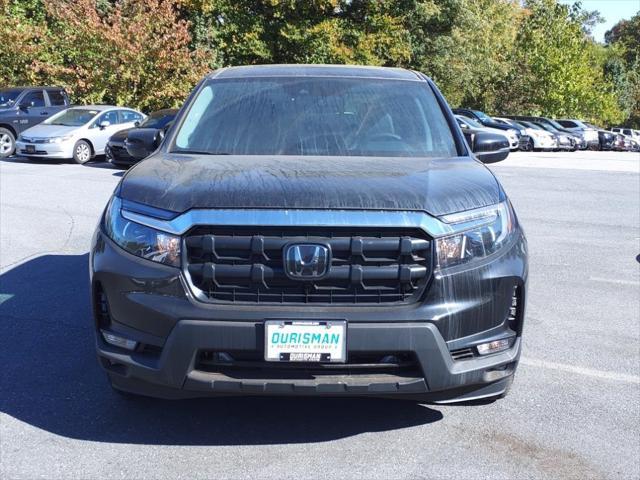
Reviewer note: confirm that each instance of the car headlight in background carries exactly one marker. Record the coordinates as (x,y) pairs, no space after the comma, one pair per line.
(483,231)
(140,240)
(58,139)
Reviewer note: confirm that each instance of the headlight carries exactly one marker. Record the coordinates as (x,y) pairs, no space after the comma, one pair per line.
(483,231)
(141,240)
(58,139)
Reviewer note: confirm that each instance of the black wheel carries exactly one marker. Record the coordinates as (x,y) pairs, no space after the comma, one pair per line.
(7,143)
(82,152)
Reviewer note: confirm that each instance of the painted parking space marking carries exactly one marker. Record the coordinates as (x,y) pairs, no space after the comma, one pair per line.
(589,372)
(617,281)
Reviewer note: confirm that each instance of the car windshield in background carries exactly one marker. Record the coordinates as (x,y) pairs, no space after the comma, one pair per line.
(157,120)
(483,116)
(547,127)
(555,124)
(8,97)
(316,116)
(74,117)
(531,125)
(471,122)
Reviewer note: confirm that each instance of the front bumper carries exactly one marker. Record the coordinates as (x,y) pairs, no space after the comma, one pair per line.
(152,305)
(117,154)
(544,143)
(565,143)
(45,150)
(514,142)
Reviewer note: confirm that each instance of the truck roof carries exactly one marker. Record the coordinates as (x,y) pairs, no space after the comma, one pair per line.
(351,71)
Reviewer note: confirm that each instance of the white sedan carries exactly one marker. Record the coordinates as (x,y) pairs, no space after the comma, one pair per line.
(78,132)
(537,137)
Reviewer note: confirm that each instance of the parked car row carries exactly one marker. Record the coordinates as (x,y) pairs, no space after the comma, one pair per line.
(528,133)
(39,122)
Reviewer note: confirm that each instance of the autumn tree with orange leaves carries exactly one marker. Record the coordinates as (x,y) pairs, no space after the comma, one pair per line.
(134,52)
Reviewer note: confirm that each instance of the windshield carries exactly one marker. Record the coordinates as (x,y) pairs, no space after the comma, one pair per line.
(73,117)
(8,97)
(531,125)
(546,127)
(553,123)
(469,121)
(316,116)
(158,120)
(483,116)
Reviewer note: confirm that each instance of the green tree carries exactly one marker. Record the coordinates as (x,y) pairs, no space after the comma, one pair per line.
(558,69)
(290,31)
(26,35)
(137,53)
(467,47)
(622,66)
(502,56)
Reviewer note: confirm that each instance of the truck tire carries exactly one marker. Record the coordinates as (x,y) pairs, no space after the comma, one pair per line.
(7,143)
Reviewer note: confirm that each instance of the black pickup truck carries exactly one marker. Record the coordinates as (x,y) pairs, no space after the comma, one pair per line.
(311,230)
(24,107)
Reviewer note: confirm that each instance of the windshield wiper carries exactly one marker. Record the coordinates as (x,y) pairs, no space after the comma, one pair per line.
(200,152)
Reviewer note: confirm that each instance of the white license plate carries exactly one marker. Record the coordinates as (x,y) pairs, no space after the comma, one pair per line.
(298,341)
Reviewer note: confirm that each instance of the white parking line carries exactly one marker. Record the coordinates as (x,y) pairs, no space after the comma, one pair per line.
(616,281)
(589,372)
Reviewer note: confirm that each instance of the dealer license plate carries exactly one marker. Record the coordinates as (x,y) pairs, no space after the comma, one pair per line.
(305,341)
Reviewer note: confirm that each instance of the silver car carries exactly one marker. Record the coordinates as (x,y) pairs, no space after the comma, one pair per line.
(78,132)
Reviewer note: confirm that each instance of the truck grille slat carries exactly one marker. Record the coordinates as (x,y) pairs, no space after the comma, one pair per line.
(245,264)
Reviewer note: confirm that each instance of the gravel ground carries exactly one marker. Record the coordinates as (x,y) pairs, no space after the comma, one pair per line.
(573,412)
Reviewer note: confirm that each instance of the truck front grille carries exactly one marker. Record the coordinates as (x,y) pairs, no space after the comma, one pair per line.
(368,266)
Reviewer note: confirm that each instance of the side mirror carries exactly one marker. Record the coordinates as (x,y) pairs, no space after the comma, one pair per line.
(142,142)
(489,147)
(136,123)
(24,107)
(104,124)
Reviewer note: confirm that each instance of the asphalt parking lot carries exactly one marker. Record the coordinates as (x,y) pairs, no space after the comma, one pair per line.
(573,412)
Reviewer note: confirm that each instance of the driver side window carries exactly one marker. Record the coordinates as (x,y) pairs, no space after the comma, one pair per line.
(111,117)
(33,99)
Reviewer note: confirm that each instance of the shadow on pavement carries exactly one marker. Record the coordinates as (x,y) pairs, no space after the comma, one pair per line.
(51,380)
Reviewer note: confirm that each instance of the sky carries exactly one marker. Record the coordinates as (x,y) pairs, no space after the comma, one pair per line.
(612,10)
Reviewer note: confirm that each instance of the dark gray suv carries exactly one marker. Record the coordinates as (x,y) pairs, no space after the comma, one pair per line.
(24,107)
(311,230)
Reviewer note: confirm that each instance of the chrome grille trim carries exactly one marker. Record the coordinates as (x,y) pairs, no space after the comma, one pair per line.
(298,218)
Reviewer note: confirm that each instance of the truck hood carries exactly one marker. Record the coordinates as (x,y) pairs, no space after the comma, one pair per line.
(437,186)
